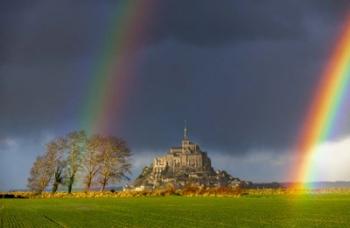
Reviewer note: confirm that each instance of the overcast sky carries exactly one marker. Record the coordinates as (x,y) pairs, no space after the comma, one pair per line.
(240,72)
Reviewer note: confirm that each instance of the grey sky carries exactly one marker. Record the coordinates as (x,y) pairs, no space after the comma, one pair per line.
(240,72)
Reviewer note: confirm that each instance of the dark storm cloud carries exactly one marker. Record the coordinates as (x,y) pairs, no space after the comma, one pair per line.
(211,23)
(248,82)
(207,23)
(240,72)
(44,30)
(229,104)
(45,42)
(51,30)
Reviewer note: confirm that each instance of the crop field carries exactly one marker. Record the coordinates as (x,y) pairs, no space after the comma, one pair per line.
(329,210)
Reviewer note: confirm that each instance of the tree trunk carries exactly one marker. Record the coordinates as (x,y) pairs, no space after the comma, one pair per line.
(104,183)
(70,184)
(103,187)
(54,187)
(88,185)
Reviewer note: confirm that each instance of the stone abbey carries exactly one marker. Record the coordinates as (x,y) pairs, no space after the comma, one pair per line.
(183,165)
(185,159)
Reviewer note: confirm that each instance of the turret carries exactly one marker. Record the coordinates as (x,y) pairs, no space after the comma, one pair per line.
(185,140)
(185,132)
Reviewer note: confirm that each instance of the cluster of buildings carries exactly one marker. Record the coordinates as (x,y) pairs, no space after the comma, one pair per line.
(183,165)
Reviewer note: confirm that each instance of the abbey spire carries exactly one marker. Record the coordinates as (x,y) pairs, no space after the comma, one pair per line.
(185,131)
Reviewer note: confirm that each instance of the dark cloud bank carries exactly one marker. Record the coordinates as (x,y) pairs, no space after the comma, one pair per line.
(240,72)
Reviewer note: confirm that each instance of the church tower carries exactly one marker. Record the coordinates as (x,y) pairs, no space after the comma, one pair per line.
(185,140)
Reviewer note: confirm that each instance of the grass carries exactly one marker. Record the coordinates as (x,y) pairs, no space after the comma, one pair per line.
(326,210)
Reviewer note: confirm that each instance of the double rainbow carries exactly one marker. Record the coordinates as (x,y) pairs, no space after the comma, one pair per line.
(326,103)
(117,66)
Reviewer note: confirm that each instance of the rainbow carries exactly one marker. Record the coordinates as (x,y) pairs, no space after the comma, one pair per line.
(116,66)
(326,103)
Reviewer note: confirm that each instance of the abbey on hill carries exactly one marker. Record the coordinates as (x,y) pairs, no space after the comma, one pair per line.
(183,165)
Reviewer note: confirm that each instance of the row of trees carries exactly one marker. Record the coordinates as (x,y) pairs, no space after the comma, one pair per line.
(100,160)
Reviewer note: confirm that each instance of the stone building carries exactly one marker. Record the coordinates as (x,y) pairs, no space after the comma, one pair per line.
(186,164)
(186,158)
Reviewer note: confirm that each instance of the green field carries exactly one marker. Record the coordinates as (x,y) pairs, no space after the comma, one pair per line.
(312,211)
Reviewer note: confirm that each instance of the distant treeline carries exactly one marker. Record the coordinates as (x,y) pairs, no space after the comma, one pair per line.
(272,185)
(94,160)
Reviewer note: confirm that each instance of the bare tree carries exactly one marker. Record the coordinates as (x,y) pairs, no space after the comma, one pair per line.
(55,156)
(91,160)
(101,159)
(114,161)
(75,145)
(40,174)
